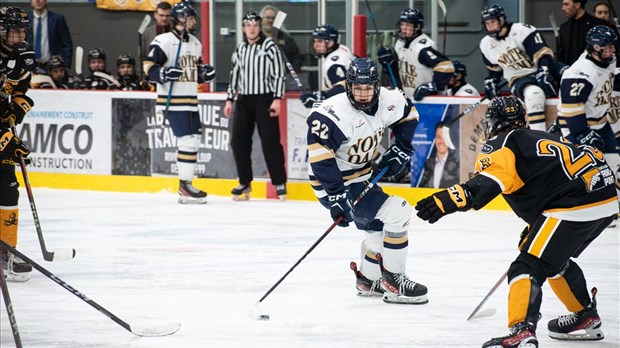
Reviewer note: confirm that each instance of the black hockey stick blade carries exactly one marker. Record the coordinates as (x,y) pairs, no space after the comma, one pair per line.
(163,330)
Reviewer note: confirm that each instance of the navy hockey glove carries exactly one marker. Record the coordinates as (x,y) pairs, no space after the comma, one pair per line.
(436,206)
(490,88)
(308,99)
(206,73)
(547,82)
(341,205)
(170,73)
(423,90)
(591,138)
(11,147)
(385,56)
(395,160)
(18,108)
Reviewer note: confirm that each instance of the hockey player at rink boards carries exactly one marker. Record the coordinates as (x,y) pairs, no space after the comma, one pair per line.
(337,58)
(518,53)
(566,203)
(179,76)
(457,86)
(585,92)
(17,60)
(344,132)
(126,70)
(58,72)
(97,62)
(418,68)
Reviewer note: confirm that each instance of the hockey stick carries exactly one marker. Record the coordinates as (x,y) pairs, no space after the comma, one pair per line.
(488,312)
(277,23)
(255,311)
(108,77)
(372,17)
(9,307)
(445,23)
(79,56)
(554,25)
(61,255)
(163,330)
(446,128)
(145,23)
(176,64)
(39,79)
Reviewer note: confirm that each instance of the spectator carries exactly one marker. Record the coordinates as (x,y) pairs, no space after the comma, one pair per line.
(97,64)
(415,65)
(51,36)
(335,65)
(601,11)
(283,39)
(257,80)
(162,25)
(442,167)
(572,38)
(126,71)
(457,86)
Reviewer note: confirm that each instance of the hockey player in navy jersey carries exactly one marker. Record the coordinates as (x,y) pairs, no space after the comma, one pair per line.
(564,192)
(416,65)
(518,53)
(344,132)
(178,70)
(337,59)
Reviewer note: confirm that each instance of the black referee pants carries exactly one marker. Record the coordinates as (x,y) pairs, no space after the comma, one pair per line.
(251,111)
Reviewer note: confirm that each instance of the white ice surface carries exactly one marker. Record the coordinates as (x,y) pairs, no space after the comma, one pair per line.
(151,261)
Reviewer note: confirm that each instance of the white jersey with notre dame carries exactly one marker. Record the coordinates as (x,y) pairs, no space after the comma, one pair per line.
(466,90)
(585,92)
(163,52)
(335,66)
(350,136)
(517,54)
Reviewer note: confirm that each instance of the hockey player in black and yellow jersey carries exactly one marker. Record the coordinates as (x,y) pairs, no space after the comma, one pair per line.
(566,195)
(16,62)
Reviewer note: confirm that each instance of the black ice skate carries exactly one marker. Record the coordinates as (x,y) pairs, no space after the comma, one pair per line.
(188,194)
(241,192)
(281,191)
(583,325)
(15,269)
(366,287)
(522,335)
(398,288)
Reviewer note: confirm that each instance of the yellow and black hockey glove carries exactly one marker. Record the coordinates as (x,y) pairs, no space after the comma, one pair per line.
(434,207)
(11,147)
(19,107)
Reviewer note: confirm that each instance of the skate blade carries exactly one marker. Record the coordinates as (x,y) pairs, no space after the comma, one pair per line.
(189,200)
(364,293)
(282,198)
(399,299)
(579,335)
(242,197)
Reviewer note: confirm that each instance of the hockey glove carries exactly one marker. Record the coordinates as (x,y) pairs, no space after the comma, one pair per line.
(436,206)
(591,138)
(547,82)
(308,99)
(206,73)
(385,56)
(11,147)
(341,206)
(16,111)
(395,160)
(523,236)
(490,88)
(170,73)
(423,90)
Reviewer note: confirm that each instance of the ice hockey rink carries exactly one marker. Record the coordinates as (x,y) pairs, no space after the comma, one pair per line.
(151,261)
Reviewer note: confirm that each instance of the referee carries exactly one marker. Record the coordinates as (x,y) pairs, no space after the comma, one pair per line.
(257,80)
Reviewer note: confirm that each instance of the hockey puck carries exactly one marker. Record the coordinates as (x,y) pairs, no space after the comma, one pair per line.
(263,317)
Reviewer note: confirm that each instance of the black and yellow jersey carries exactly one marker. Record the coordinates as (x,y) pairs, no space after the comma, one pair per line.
(543,173)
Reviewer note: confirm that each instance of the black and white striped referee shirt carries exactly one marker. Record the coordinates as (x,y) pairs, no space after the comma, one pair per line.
(257,69)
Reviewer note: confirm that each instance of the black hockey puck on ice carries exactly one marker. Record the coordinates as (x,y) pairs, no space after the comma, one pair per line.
(263,317)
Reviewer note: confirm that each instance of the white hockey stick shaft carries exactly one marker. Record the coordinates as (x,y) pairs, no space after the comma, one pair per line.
(79,56)
(107,77)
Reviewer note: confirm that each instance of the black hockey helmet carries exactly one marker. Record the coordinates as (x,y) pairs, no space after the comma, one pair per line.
(598,38)
(96,53)
(503,114)
(459,67)
(12,17)
(363,71)
(493,12)
(181,10)
(326,32)
(54,63)
(251,16)
(412,16)
(125,58)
